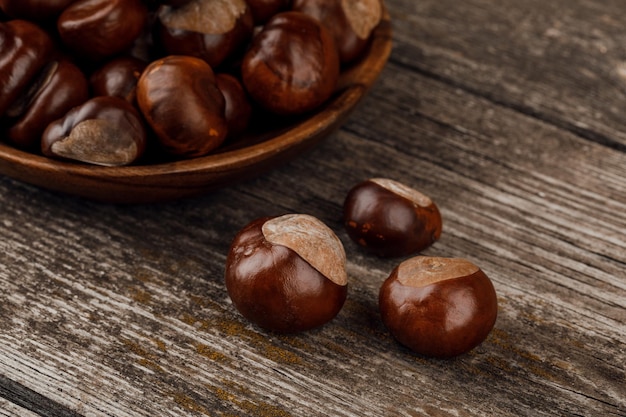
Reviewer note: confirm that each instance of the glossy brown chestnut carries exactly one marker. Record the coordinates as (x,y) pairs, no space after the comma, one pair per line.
(287,274)
(175,3)
(263,10)
(34,10)
(212,30)
(118,78)
(350,21)
(238,109)
(438,307)
(388,218)
(24,50)
(104,131)
(97,29)
(59,87)
(179,97)
(292,65)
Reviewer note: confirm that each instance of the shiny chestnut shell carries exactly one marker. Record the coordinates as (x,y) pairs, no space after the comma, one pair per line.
(179,97)
(118,78)
(238,110)
(212,30)
(24,50)
(351,22)
(60,86)
(105,131)
(274,287)
(98,29)
(292,66)
(388,218)
(438,307)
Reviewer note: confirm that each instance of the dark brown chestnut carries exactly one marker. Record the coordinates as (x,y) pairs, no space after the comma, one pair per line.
(118,78)
(34,10)
(350,21)
(238,110)
(24,50)
(97,29)
(104,131)
(263,10)
(175,3)
(388,218)
(438,307)
(287,274)
(292,65)
(212,30)
(59,87)
(179,97)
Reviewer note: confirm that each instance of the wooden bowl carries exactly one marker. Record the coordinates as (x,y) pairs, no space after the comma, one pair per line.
(245,159)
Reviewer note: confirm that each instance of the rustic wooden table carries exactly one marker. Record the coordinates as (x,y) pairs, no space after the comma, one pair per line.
(511,115)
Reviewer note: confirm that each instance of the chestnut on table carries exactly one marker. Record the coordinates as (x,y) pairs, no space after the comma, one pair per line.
(287,274)
(438,307)
(388,218)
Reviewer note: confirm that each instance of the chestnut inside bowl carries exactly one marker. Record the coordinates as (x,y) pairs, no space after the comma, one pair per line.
(246,158)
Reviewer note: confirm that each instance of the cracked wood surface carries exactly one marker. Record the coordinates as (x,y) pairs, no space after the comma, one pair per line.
(510,115)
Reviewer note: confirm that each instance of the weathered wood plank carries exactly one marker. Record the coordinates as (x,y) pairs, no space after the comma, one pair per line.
(8,409)
(19,401)
(562,61)
(123,309)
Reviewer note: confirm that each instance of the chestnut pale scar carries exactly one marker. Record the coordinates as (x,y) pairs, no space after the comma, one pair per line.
(404,191)
(421,271)
(312,240)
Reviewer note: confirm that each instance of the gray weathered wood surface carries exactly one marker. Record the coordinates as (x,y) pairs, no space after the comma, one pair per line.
(511,115)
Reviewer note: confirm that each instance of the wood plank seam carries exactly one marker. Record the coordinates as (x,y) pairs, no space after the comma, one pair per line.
(587,134)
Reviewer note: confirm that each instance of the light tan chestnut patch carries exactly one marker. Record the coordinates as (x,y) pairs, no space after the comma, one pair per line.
(213,17)
(404,191)
(98,142)
(315,242)
(421,271)
(363,15)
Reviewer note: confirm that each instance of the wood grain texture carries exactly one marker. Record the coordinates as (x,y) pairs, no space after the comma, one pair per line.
(561,61)
(9,409)
(112,310)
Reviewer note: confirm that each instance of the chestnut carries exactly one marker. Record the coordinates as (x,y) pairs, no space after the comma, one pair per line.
(175,3)
(180,100)
(59,87)
(24,50)
(263,10)
(34,10)
(287,274)
(212,30)
(104,131)
(292,65)
(350,22)
(388,218)
(238,110)
(118,78)
(438,307)
(97,29)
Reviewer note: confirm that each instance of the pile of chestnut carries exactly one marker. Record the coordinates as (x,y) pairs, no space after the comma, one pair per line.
(100,81)
(288,273)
